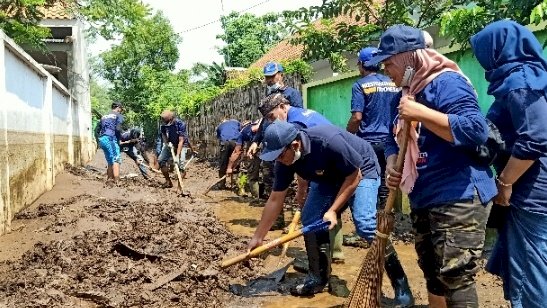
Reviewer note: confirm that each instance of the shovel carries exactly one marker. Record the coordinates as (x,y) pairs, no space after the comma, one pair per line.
(177,171)
(213,185)
(317,226)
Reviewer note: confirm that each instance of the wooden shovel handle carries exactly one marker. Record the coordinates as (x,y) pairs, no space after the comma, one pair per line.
(211,187)
(392,197)
(261,249)
(292,227)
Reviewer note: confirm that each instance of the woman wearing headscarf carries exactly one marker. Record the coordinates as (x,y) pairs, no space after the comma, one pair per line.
(517,72)
(449,190)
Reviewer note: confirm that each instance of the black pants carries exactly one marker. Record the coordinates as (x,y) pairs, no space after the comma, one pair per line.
(383,191)
(226,149)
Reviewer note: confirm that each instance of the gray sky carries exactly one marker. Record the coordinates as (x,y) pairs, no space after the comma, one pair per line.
(199,45)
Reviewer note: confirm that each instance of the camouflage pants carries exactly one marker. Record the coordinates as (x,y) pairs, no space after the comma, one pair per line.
(449,240)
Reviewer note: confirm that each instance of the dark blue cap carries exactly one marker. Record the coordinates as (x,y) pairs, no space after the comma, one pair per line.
(398,39)
(272,68)
(277,136)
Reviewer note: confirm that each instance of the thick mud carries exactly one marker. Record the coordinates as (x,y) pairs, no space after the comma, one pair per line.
(86,244)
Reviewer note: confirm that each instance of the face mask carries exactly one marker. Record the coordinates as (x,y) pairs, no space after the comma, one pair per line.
(273,88)
(297,155)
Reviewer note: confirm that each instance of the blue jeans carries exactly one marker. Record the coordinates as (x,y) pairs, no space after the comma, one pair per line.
(362,204)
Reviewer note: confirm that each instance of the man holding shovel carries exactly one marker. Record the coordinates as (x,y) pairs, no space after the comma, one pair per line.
(227,134)
(338,166)
(245,137)
(173,131)
(129,141)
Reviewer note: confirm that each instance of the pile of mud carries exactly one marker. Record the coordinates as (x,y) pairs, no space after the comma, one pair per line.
(153,255)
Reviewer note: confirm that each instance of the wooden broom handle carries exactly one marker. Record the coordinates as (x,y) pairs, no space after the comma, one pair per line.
(392,197)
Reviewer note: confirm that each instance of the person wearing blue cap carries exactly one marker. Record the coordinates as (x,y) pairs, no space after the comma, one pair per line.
(449,188)
(517,72)
(371,97)
(273,77)
(340,168)
(109,130)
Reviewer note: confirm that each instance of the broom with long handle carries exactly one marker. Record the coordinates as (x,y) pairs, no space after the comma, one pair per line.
(367,290)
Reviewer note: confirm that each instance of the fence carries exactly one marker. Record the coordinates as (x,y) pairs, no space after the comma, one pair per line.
(42,127)
(241,105)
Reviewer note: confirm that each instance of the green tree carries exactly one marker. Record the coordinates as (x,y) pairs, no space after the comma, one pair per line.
(19,20)
(100,99)
(108,18)
(248,37)
(215,74)
(459,19)
(147,48)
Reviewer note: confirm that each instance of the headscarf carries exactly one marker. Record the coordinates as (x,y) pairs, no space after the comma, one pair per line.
(428,64)
(511,56)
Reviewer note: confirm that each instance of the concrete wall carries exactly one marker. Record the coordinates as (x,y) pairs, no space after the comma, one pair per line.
(42,127)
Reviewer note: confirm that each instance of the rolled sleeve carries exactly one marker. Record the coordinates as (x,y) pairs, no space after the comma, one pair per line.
(357,98)
(468,130)
(528,110)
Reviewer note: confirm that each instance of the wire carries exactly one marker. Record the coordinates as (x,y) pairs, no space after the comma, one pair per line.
(218,20)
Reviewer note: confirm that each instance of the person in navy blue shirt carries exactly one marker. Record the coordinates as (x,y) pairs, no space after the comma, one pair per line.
(273,77)
(244,139)
(340,167)
(451,196)
(173,131)
(227,134)
(371,97)
(109,131)
(512,58)
(129,142)
(276,106)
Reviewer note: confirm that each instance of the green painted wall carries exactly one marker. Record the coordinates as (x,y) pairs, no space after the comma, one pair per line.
(332,97)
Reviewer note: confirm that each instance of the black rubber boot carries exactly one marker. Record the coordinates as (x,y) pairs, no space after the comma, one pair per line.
(318,250)
(399,282)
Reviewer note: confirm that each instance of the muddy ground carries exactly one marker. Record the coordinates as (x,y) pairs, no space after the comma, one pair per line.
(85,244)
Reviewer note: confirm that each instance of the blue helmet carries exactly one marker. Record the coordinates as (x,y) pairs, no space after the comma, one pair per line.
(272,68)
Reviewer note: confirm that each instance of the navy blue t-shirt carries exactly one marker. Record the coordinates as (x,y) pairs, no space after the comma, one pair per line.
(373,95)
(246,134)
(228,130)
(306,118)
(447,172)
(292,95)
(110,124)
(174,130)
(329,155)
(520,118)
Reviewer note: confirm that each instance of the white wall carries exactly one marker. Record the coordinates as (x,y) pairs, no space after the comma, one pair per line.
(42,126)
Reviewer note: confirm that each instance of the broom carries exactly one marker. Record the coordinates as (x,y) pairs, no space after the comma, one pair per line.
(367,290)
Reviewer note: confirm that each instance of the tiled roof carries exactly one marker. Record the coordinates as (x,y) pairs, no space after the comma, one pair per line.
(59,10)
(285,51)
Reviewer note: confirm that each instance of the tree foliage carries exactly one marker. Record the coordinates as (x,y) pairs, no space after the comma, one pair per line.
(19,20)
(107,18)
(248,37)
(365,20)
(147,48)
